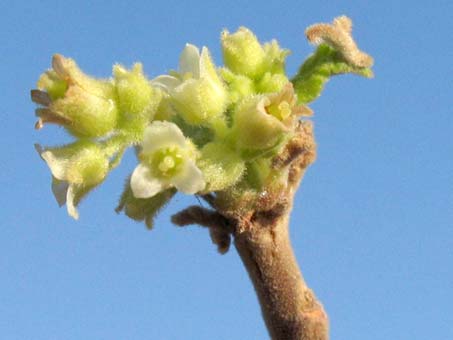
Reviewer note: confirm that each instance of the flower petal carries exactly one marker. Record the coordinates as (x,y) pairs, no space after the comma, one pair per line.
(60,190)
(57,165)
(189,61)
(166,82)
(190,180)
(162,134)
(70,206)
(207,68)
(256,128)
(75,194)
(143,184)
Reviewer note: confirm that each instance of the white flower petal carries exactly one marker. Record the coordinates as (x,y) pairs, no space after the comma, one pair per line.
(189,61)
(143,184)
(166,82)
(57,166)
(72,210)
(190,180)
(162,134)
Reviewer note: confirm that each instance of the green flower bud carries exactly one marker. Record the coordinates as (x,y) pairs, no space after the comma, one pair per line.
(202,98)
(82,162)
(196,92)
(239,86)
(76,169)
(261,121)
(242,52)
(198,101)
(275,57)
(271,83)
(85,106)
(221,166)
(53,84)
(137,99)
(134,90)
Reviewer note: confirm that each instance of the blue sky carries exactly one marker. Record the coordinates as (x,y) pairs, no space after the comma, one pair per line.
(373,223)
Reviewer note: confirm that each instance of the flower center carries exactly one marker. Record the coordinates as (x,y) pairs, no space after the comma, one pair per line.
(280,110)
(167,162)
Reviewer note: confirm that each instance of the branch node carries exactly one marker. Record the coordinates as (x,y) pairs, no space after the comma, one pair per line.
(219,227)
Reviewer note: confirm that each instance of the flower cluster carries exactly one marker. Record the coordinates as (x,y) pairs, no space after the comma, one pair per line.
(200,129)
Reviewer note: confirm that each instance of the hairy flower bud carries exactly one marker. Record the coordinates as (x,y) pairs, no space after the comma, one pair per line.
(137,99)
(239,86)
(85,106)
(271,83)
(222,167)
(134,90)
(80,163)
(242,52)
(76,168)
(197,93)
(275,57)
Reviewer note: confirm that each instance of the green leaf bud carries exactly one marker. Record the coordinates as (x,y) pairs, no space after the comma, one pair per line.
(317,70)
(338,36)
(337,53)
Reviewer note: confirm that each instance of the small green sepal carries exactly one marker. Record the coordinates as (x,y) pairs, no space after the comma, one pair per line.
(143,209)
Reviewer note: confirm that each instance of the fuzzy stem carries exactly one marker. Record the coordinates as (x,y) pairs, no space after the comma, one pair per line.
(289,307)
(261,236)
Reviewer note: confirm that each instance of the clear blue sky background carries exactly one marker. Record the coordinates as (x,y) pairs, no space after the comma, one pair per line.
(373,224)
